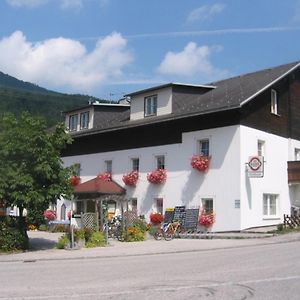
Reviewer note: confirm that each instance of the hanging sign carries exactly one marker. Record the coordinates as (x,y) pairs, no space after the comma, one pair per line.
(255,166)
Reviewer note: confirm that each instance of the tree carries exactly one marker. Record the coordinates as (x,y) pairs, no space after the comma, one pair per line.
(32,174)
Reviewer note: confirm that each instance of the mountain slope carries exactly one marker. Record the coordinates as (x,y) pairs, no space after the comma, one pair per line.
(17,96)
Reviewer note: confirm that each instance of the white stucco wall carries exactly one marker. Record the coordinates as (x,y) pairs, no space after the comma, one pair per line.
(184,185)
(164,103)
(275,181)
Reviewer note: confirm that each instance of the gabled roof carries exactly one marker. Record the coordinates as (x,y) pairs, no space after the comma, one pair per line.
(98,187)
(221,95)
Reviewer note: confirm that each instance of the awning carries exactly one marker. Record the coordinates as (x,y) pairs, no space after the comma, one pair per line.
(98,187)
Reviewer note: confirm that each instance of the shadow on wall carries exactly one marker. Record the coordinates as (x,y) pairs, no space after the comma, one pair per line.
(192,186)
(153,190)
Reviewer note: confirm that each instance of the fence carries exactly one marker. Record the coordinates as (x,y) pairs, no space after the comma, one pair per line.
(291,221)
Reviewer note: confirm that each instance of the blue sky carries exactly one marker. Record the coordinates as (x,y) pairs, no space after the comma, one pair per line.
(107,48)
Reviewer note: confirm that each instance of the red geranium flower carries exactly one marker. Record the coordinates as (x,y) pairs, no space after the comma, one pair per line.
(200,162)
(106,176)
(131,178)
(75,180)
(157,177)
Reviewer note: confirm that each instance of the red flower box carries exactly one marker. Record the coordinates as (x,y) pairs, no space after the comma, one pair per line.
(207,219)
(75,180)
(156,218)
(106,176)
(157,177)
(200,162)
(131,178)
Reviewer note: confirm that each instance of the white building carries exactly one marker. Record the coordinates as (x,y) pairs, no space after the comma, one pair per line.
(254,117)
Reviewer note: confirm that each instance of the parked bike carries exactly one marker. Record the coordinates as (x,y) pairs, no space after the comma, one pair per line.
(168,231)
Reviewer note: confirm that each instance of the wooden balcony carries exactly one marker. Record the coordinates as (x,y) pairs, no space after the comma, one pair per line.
(294,172)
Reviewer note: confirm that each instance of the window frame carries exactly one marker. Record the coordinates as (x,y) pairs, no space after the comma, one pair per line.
(297,154)
(261,148)
(108,165)
(159,205)
(267,205)
(84,120)
(160,161)
(274,102)
(200,149)
(135,164)
(73,126)
(211,206)
(150,106)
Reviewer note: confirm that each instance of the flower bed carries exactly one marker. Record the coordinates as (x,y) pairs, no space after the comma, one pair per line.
(106,176)
(200,162)
(158,176)
(131,178)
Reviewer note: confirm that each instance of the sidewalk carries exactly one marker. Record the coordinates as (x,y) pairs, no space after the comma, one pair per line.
(149,247)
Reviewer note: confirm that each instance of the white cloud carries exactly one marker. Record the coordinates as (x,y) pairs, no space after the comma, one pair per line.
(205,12)
(67,4)
(192,61)
(27,3)
(64,63)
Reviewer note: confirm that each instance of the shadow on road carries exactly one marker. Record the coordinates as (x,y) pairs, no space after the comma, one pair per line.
(36,244)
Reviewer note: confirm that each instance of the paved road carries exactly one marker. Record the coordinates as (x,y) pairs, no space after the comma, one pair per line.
(265,270)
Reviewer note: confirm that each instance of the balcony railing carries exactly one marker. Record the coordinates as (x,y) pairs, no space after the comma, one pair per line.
(294,172)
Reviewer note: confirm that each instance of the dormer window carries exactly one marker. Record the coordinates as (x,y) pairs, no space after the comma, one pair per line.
(73,121)
(151,105)
(274,102)
(84,120)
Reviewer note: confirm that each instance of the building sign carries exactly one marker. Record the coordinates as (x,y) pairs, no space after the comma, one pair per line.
(255,166)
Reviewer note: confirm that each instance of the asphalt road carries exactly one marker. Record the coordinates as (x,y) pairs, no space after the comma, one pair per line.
(253,272)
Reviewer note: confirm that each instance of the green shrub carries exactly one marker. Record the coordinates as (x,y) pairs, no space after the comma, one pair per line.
(97,239)
(63,242)
(280,227)
(79,234)
(134,234)
(12,238)
(141,224)
(43,227)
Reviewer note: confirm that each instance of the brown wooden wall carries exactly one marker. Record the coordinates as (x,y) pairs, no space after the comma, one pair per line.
(257,113)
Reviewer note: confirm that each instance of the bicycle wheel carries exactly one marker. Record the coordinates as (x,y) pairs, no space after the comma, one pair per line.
(158,235)
(169,235)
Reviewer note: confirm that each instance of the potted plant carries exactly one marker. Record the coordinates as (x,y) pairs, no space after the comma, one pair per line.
(131,178)
(207,219)
(156,218)
(105,176)
(200,162)
(157,177)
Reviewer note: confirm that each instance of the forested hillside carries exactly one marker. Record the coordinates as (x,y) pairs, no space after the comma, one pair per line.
(17,96)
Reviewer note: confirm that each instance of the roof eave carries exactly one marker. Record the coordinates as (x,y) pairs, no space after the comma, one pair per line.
(269,85)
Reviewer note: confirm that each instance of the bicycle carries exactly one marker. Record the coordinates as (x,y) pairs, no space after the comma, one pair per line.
(168,231)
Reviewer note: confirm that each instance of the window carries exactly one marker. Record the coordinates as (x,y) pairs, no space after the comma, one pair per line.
(73,121)
(79,207)
(63,212)
(274,102)
(270,205)
(297,154)
(159,203)
(108,166)
(204,147)
(132,204)
(135,164)
(260,148)
(84,120)
(160,162)
(207,205)
(151,106)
